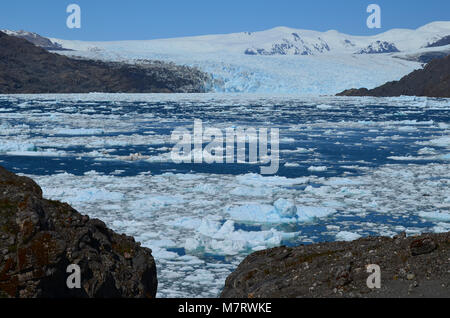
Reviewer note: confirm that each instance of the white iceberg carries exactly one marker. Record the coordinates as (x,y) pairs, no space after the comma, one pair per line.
(283,211)
(436,216)
(224,239)
(10,146)
(285,208)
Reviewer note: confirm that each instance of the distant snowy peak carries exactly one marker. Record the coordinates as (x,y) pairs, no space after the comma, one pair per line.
(379,47)
(280,41)
(288,41)
(292,45)
(34,38)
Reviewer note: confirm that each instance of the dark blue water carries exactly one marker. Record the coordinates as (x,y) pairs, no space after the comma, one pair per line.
(335,143)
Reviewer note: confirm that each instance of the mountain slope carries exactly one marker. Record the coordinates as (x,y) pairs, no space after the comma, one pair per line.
(432,81)
(26,68)
(34,38)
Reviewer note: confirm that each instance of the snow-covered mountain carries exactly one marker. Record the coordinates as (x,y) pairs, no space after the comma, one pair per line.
(288,41)
(285,41)
(284,60)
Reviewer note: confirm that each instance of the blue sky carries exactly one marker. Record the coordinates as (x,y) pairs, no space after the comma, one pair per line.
(150,19)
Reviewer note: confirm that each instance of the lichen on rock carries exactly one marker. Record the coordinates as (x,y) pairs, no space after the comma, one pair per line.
(409,267)
(40,238)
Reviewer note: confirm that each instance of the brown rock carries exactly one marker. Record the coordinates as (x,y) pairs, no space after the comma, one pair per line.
(423,246)
(281,272)
(40,238)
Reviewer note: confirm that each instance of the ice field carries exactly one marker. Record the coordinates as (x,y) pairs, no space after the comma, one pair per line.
(295,61)
(349,167)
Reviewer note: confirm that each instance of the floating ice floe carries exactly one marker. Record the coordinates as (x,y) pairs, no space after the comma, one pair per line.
(93,194)
(298,150)
(223,239)
(78,131)
(427,151)
(247,191)
(144,207)
(85,195)
(318,169)
(47,153)
(282,211)
(256,180)
(10,146)
(324,107)
(347,236)
(436,216)
(133,157)
(441,142)
(441,227)
(26,149)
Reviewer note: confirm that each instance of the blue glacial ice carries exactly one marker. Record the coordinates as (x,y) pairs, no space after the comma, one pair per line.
(282,211)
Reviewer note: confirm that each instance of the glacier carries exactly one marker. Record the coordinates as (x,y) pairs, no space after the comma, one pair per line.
(280,60)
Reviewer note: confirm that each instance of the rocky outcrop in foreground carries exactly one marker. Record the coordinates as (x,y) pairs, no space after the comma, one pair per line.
(410,267)
(40,238)
(27,69)
(432,81)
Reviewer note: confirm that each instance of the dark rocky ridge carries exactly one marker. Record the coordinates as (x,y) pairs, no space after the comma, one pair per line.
(379,47)
(444,41)
(26,68)
(431,81)
(294,45)
(39,238)
(36,39)
(426,57)
(410,267)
